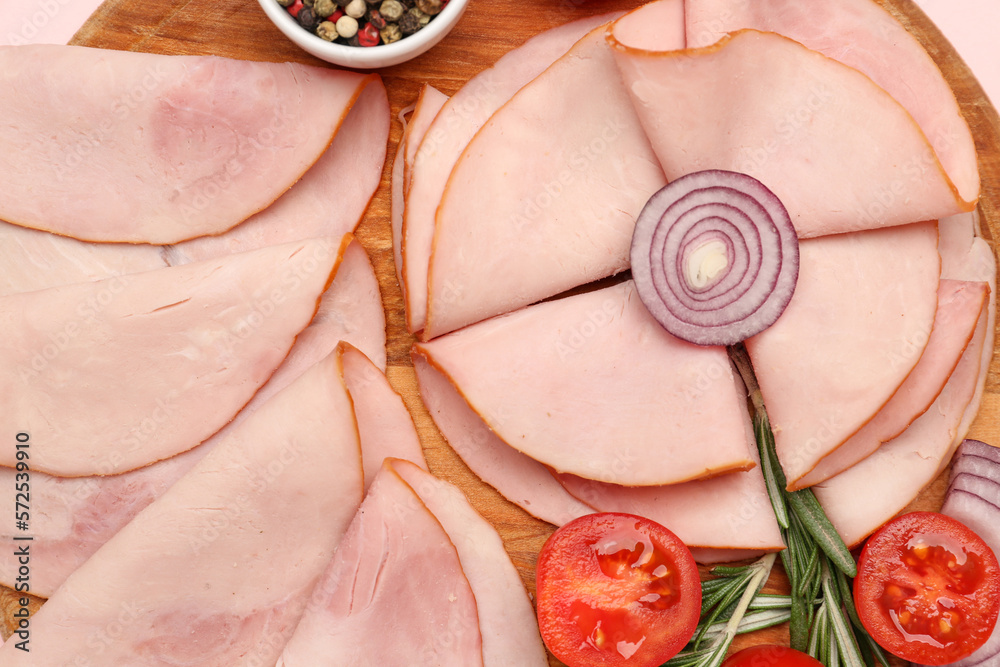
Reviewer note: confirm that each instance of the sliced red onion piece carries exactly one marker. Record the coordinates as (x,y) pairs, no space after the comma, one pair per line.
(715,257)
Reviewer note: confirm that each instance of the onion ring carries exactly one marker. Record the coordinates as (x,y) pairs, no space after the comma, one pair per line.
(715,257)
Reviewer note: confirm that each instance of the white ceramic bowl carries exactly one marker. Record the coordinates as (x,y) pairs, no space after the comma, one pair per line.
(366,57)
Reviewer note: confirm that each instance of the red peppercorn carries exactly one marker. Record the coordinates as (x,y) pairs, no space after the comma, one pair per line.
(295,7)
(334,16)
(368,36)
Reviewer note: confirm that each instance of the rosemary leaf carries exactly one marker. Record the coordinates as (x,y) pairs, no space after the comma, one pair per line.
(813,646)
(774,477)
(846,643)
(752,622)
(799,623)
(732,594)
(804,504)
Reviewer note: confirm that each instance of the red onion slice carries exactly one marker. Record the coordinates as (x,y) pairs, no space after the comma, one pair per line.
(715,257)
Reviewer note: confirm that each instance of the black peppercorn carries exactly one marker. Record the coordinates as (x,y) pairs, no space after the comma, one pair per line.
(307,19)
(376,19)
(409,24)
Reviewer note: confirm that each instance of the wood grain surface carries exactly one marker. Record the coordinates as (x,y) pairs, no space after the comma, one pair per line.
(488,30)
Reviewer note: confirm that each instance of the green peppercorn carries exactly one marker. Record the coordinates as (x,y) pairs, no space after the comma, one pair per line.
(308,3)
(429,7)
(390,33)
(286,3)
(408,24)
(422,18)
(391,10)
(327,30)
(307,19)
(323,8)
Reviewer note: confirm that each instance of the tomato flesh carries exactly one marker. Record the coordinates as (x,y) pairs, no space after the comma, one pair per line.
(616,589)
(771,655)
(928,588)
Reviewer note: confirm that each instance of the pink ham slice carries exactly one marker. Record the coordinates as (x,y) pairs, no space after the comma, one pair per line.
(959,306)
(206,574)
(762,104)
(329,200)
(868,494)
(426,108)
(447,137)
(115,374)
(33,259)
(394,593)
(386,427)
(548,381)
(553,183)
(506,617)
(855,328)
(727,512)
(205,143)
(860,499)
(74,516)
(862,35)
(519,478)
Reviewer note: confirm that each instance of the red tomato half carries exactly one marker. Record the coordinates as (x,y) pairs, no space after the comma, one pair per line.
(928,588)
(616,589)
(771,655)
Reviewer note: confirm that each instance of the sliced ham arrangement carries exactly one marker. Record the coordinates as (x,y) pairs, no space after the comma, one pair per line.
(221,464)
(549,394)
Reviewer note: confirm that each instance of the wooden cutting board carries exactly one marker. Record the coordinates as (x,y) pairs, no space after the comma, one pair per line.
(489,29)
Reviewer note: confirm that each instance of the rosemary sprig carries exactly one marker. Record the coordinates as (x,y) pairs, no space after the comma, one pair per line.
(819,568)
(724,612)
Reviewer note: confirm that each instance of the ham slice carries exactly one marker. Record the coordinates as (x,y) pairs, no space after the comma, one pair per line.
(763,104)
(157,149)
(74,516)
(519,478)
(868,494)
(115,374)
(426,108)
(205,574)
(385,425)
(547,380)
(506,616)
(730,512)
(959,306)
(862,35)
(33,259)
(329,200)
(855,328)
(394,593)
(560,219)
(447,137)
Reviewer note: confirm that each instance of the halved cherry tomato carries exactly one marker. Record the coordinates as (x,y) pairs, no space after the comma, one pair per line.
(771,655)
(928,588)
(616,589)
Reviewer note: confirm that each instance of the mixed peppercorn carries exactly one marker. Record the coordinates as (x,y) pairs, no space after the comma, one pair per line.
(363,22)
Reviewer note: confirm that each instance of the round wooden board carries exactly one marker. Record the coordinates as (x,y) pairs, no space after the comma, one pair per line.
(489,29)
